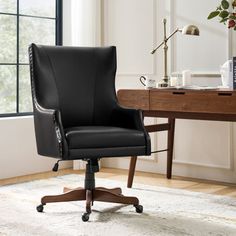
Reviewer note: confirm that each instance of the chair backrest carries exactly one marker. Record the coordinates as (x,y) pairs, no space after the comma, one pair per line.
(78,81)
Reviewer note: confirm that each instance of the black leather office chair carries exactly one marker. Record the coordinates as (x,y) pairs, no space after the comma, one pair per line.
(77,117)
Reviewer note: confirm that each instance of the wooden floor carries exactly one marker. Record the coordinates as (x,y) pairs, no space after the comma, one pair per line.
(143,178)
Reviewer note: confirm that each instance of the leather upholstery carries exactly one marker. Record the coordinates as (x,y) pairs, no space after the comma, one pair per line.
(76,113)
(102,137)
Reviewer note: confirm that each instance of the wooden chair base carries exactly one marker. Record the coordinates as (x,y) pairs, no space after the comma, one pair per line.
(90,193)
(113,195)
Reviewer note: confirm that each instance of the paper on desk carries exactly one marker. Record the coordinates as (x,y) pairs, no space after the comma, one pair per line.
(195,87)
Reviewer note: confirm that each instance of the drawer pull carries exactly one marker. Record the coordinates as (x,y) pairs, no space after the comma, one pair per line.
(224,94)
(178,93)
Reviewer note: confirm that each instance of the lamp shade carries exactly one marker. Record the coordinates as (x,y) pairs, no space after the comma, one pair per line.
(191,30)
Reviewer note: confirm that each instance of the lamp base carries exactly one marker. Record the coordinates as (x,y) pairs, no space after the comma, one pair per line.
(163,83)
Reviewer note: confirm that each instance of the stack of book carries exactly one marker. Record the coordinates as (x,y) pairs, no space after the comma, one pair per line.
(234,72)
(230,73)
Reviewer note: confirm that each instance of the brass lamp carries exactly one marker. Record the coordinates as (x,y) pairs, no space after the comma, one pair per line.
(187,30)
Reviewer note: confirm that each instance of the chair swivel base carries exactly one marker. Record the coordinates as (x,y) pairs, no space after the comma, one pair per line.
(91,194)
(98,194)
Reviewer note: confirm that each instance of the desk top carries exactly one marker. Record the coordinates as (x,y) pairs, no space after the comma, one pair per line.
(213,104)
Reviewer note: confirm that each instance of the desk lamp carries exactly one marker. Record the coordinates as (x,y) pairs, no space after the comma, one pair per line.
(187,30)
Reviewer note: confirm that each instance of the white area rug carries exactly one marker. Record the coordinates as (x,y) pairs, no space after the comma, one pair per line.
(166,212)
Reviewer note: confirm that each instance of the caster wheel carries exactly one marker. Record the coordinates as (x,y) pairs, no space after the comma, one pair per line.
(39,208)
(139,208)
(85,217)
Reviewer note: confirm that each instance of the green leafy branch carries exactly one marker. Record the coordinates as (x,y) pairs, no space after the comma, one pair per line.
(226,13)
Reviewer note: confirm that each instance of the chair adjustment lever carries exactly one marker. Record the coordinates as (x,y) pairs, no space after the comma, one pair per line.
(56,166)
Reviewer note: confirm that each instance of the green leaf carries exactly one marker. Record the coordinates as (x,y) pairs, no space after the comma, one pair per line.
(223,20)
(224,14)
(225,4)
(235,28)
(232,17)
(213,14)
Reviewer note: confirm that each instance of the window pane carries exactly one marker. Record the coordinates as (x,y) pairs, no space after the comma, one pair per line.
(8,6)
(7,39)
(38,7)
(25,103)
(7,89)
(34,30)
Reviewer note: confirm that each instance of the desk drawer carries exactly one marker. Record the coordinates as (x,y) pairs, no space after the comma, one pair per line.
(138,99)
(223,102)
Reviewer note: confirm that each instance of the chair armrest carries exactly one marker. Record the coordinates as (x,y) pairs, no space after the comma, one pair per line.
(49,132)
(128,118)
(131,119)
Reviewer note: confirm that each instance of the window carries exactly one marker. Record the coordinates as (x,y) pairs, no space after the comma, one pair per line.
(23,22)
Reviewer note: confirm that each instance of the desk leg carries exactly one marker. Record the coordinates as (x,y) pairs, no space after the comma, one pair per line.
(132,166)
(171,133)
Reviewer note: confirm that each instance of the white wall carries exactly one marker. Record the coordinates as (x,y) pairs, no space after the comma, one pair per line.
(18,149)
(202,149)
(192,52)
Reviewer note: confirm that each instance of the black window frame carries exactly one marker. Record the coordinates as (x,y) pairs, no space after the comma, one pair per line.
(58,41)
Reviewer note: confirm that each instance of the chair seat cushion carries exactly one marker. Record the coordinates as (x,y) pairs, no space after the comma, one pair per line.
(103,137)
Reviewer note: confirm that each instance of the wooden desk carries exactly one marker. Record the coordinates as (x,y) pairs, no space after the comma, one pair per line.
(218,105)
